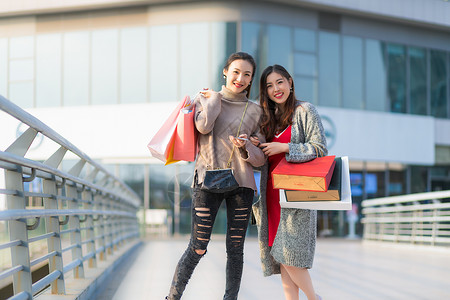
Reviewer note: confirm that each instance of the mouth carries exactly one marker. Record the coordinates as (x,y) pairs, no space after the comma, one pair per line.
(238,85)
(278,95)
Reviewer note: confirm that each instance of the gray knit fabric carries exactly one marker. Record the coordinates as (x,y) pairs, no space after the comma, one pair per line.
(295,242)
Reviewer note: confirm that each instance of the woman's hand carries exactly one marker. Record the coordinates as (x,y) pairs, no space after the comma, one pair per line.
(239,142)
(255,141)
(207,93)
(270,149)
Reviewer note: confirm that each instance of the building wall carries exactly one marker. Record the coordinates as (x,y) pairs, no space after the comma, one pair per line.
(106,74)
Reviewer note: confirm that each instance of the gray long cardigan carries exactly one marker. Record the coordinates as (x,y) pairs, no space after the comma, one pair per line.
(296,235)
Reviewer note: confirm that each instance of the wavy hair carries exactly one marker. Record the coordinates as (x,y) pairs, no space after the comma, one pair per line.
(273,120)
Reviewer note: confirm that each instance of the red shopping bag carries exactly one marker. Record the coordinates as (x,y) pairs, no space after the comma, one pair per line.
(185,139)
(162,145)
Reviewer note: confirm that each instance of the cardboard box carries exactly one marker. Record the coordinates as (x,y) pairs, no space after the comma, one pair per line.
(333,192)
(314,175)
(344,204)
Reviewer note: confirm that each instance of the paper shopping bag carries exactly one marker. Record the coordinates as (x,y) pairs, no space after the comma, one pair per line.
(314,175)
(332,194)
(345,203)
(185,140)
(160,144)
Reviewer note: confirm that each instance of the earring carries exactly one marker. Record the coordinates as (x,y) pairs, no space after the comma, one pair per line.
(224,76)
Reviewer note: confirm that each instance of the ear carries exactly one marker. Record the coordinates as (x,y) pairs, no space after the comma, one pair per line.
(290,82)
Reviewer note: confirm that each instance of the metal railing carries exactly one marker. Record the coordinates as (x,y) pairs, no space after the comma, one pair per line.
(88,212)
(422,218)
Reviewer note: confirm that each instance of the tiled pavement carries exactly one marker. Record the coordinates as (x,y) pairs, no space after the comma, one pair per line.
(343,269)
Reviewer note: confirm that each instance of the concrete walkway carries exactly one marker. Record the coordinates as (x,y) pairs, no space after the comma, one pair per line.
(343,269)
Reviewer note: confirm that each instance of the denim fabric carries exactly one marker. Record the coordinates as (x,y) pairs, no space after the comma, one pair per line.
(205,206)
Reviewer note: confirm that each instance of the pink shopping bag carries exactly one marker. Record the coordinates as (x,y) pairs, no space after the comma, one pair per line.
(159,145)
(185,141)
(177,139)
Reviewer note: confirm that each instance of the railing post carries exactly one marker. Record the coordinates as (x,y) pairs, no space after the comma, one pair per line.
(90,235)
(52,223)
(54,243)
(100,223)
(74,221)
(20,255)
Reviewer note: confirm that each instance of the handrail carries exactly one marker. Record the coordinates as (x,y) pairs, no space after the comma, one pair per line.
(422,218)
(39,126)
(93,215)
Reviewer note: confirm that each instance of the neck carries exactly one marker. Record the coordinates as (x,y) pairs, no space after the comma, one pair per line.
(232,96)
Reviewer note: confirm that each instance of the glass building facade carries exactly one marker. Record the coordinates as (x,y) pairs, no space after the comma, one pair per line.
(146,63)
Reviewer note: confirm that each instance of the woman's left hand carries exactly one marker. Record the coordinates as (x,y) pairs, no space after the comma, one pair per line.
(239,142)
(270,149)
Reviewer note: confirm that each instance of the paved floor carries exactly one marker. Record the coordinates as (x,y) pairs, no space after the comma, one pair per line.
(343,269)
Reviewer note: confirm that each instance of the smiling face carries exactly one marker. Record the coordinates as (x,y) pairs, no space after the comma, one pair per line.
(239,75)
(278,88)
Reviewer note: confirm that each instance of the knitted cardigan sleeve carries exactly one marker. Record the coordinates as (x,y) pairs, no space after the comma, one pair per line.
(308,140)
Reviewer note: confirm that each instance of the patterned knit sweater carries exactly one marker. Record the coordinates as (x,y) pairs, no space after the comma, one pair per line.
(307,135)
(218,117)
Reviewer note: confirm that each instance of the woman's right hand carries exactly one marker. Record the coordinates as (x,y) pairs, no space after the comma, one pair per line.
(207,93)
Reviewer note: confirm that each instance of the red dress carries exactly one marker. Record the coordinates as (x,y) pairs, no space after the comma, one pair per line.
(272,195)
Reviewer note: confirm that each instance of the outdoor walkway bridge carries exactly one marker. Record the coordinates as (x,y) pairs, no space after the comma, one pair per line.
(70,231)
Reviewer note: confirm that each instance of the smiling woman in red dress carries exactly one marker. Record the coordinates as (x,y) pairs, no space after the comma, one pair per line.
(287,236)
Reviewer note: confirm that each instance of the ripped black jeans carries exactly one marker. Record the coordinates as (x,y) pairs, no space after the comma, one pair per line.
(205,206)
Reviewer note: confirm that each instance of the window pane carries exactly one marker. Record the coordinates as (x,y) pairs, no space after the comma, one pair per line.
(21,93)
(305,64)
(133,175)
(419,180)
(438,84)
(397,183)
(304,40)
(104,66)
(374,180)
(397,77)
(418,80)
(133,65)
(306,89)
(194,60)
(164,63)
(22,69)
(329,69)
(251,38)
(48,70)
(375,76)
(21,47)
(3,67)
(252,44)
(223,43)
(352,89)
(279,46)
(76,68)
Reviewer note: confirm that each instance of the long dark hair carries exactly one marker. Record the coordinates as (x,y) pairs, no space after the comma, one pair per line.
(274,120)
(244,56)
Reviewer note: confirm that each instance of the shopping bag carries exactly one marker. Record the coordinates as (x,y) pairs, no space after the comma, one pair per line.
(314,175)
(185,140)
(345,203)
(332,194)
(161,145)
